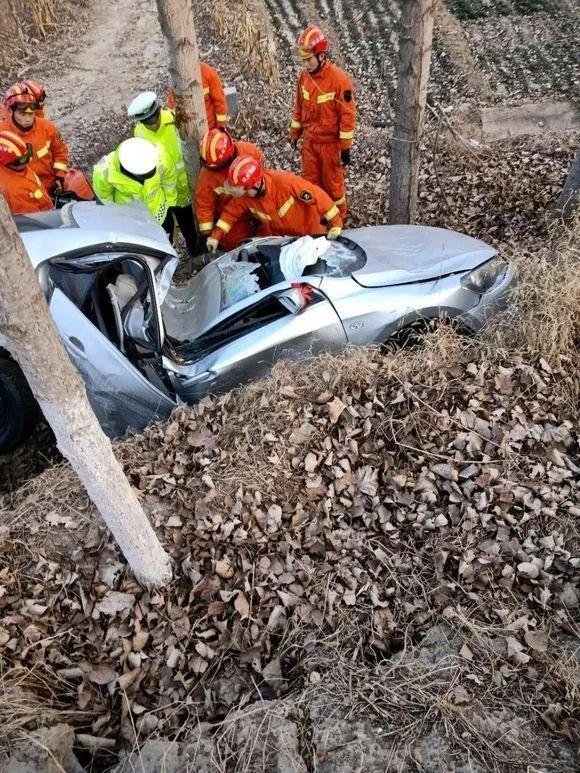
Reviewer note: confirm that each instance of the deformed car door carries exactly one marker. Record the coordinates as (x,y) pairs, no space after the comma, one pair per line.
(249,355)
(120,395)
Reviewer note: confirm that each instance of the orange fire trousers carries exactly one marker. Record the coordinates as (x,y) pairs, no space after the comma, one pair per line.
(321,166)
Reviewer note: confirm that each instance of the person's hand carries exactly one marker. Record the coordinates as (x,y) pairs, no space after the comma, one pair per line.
(334,233)
(212,245)
(294,143)
(57,187)
(345,157)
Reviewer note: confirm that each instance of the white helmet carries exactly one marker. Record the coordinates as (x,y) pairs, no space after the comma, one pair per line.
(143,106)
(138,156)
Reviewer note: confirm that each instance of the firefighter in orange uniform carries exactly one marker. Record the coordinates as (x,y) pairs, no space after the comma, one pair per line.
(218,151)
(324,117)
(216,106)
(21,187)
(50,157)
(283,203)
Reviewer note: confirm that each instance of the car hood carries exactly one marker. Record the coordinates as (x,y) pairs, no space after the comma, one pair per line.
(399,254)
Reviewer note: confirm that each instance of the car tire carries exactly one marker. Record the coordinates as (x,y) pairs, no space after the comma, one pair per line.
(19,411)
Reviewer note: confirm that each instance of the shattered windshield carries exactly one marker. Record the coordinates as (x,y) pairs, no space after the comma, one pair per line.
(189,309)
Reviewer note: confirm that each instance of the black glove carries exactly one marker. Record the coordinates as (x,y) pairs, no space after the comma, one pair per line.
(345,157)
(294,144)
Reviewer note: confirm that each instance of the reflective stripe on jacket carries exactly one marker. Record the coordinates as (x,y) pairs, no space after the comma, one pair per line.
(158,193)
(324,107)
(216,106)
(50,158)
(23,191)
(211,197)
(168,139)
(290,206)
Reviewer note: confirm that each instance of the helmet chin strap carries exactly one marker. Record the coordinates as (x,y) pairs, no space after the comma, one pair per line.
(321,58)
(19,126)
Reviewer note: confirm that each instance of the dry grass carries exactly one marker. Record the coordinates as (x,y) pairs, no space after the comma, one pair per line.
(21,21)
(544,317)
(250,31)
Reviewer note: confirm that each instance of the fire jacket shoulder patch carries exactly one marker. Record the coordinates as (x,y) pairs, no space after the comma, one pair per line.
(348,95)
(306,196)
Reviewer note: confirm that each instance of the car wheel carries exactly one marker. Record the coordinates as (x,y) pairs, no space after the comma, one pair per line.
(413,335)
(19,412)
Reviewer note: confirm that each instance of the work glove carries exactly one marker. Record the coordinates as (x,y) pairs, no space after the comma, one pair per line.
(57,187)
(294,144)
(345,157)
(334,233)
(212,245)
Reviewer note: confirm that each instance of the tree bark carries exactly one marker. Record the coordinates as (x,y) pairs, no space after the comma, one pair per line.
(178,27)
(28,332)
(570,197)
(415,38)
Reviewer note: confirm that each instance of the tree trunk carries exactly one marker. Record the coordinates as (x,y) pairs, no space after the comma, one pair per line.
(177,25)
(570,196)
(415,37)
(28,332)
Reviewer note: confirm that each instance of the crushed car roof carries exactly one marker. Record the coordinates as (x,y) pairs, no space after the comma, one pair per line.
(82,225)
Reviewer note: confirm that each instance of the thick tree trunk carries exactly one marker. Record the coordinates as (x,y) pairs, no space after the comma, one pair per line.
(569,199)
(415,37)
(178,27)
(28,332)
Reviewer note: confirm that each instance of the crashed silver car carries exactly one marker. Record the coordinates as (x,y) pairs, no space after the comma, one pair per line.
(143,344)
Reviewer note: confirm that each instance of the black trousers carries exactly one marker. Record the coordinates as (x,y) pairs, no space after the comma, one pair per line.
(187,226)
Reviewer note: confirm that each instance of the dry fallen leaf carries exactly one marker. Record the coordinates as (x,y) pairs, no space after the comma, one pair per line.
(114,602)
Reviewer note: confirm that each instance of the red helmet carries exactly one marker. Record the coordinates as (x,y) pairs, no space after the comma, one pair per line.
(76,182)
(36,90)
(12,148)
(217,148)
(19,95)
(311,42)
(245,172)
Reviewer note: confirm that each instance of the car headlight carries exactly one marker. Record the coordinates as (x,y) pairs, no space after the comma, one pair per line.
(485,276)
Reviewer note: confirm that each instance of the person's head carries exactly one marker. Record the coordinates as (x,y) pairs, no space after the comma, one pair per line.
(14,152)
(312,49)
(138,158)
(22,106)
(217,149)
(37,92)
(145,109)
(245,177)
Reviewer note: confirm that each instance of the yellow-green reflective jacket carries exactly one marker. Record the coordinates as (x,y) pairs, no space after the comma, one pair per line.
(168,138)
(158,193)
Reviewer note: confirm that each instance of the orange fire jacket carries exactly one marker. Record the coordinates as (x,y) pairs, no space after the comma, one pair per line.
(324,108)
(23,191)
(290,206)
(211,197)
(50,159)
(216,106)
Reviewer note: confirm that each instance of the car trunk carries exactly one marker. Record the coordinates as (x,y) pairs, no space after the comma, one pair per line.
(400,254)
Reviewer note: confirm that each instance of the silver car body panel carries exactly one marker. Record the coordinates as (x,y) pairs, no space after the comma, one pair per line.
(397,254)
(120,395)
(410,272)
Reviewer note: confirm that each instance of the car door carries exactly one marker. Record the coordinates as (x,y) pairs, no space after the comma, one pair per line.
(119,393)
(250,351)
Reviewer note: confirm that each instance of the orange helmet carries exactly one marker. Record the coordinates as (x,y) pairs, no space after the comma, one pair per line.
(12,148)
(19,95)
(76,182)
(217,148)
(36,90)
(245,172)
(311,42)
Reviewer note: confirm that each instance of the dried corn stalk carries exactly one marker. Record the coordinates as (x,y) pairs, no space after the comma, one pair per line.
(25,19)
(250,31)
